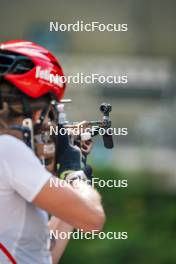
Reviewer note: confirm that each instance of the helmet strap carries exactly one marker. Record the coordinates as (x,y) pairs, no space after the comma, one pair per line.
(41,119)
(26,106)
(1,103)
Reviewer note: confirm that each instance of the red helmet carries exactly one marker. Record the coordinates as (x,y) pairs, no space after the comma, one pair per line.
(31,68)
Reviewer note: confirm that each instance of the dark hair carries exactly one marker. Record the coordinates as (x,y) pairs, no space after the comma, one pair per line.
(14,97)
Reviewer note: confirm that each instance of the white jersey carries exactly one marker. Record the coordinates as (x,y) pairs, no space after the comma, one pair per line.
(23,226)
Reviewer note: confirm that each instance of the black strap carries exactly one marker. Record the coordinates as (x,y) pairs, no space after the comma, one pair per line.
(40,121)
(26,106)
(1,103)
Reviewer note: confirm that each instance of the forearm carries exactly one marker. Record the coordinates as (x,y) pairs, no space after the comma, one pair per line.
(81,209)
(93,201)
(57,225)
(59,245)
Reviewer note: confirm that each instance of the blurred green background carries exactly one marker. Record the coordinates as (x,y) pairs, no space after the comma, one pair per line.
(145,211)
(146,106)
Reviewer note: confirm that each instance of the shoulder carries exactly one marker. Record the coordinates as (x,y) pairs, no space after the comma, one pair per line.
(7,140)
(6,137)
(12,146)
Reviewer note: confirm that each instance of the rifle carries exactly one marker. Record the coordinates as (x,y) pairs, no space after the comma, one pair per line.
(86,130)
(93,127)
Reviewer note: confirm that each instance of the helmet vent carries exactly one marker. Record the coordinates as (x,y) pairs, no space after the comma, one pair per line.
(12,63)
(22,66)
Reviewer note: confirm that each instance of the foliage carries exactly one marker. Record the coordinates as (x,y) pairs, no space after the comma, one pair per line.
(145,211)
